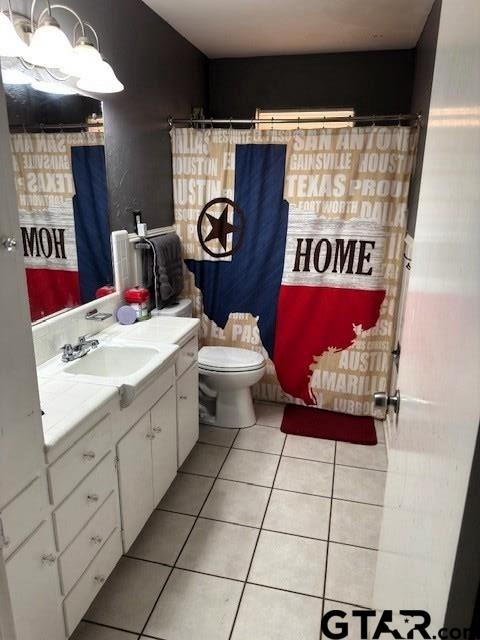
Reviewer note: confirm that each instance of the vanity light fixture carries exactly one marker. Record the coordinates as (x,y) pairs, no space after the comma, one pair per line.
(51,50)
(15,77)
(52,86)
(100,79)
(11,44)
(49,46)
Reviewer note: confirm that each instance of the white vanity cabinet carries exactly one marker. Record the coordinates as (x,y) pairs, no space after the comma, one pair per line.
(32,575)
(187,412)
(187,398)
(147,464)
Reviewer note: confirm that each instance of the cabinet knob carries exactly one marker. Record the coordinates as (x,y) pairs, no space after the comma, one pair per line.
(92,497)
(183,397)
(99,579)
(150,436)
(49,558)
(157,429)
(89,455)
(96,539)
(190,354)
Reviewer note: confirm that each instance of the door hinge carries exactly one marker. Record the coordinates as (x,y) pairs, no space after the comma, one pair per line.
(116,462)
(4,541)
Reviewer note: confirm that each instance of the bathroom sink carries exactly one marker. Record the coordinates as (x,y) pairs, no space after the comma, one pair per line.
(112,361)
(128,366)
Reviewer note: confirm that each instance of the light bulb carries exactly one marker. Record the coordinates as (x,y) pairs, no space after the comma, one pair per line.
(100,79)
(13,76)
(49,46)
(84,56)
(11,44)
(53,87)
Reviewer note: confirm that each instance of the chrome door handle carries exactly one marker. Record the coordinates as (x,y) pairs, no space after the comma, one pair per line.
(10,244)
(381,400)
(92,497)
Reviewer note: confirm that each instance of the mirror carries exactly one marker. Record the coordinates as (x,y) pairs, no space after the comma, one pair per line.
(58,158)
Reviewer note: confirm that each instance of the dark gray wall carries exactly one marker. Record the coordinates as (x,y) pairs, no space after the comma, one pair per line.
(422,89)
(163,75)
(371,82)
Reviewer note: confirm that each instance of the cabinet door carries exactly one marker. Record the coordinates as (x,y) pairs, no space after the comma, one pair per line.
(187,412)
(34,587)
(164,443)
(135,479)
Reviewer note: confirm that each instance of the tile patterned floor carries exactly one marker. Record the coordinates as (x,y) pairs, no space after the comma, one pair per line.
(259,534)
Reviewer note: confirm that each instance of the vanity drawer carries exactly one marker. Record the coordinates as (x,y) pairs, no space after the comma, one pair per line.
(75,559)
(66,472)
(24,513)
(83,593)
(187,354)
(74,512)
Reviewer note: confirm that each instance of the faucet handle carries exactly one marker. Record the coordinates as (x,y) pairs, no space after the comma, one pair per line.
(87,338)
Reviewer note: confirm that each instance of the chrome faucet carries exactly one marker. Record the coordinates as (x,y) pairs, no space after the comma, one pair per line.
(76,351)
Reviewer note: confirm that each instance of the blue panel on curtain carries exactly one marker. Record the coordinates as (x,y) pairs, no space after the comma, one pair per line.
(251,281)
(92,229)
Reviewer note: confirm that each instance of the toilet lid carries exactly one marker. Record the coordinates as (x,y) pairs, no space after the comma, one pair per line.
(229,359)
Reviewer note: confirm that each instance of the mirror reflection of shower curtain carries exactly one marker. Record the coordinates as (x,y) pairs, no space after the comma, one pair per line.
(92,229)
(293,242)
(45,190)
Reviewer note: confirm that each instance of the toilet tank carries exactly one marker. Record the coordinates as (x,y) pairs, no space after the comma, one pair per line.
(182,308)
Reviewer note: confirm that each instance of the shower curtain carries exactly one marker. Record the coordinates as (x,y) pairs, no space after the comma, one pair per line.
(293,244)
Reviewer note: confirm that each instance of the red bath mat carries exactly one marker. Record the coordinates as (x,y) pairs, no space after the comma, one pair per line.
(318,423)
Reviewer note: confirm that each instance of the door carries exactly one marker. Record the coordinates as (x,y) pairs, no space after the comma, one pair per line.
(430,455)
(21,439)
(187,412)
(164,444)
(34,588)
(135,479)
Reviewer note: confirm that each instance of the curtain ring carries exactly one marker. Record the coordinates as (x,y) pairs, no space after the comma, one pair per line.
(298,123)
(252,124)
(191,122)
(231,123)
(211,123)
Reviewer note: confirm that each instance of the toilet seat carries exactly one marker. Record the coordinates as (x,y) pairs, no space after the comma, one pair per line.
(229,359)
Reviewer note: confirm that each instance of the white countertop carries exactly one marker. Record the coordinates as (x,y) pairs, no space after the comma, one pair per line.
(159,329)
(67,401)
(66,405)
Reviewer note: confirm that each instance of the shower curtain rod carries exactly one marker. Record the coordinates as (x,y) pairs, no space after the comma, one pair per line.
(30,128)
(401,117)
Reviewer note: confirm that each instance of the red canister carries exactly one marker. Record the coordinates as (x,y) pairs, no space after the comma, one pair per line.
(138,298)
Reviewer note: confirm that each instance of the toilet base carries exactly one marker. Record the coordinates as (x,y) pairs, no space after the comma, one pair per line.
(234,409)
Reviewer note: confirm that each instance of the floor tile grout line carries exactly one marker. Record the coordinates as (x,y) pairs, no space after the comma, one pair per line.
(109,626)
(187,538)
(303,493)
(256,543)
(328,542)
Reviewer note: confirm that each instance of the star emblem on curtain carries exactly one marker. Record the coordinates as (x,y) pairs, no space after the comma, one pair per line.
(221,227)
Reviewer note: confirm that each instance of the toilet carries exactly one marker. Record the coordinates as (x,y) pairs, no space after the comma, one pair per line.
(226,377)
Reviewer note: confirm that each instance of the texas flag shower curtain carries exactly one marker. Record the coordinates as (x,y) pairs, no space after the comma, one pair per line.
(293,245)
